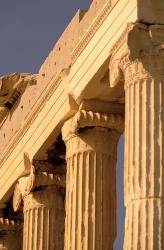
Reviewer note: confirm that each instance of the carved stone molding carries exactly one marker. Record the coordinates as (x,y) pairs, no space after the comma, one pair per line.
(138,54)
(14,82)
(10,225)
(94,119)
(36,178)
(11,88)
(46,95)
(90,119)
(92,30)
(102,106)
(43,207)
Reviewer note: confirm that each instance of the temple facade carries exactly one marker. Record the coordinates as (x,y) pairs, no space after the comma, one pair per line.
(60,127)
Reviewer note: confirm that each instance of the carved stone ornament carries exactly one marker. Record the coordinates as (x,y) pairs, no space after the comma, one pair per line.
(138,43)
(12,82)
(17,198)
(11,87)
(140,58)
(10,225)
(88,119)
(92,30)
(36,178)
(91,148)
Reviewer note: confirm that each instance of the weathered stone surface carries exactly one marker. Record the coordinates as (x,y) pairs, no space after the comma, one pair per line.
(11,241)
(13,82)
(11,88)
(43,220)
(91,181)
(142,65)
(10,234)
(40,113)
(43,208)
(151,11)
(73,82)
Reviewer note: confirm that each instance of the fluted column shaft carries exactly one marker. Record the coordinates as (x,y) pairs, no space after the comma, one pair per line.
(43,207)
(43,220)
(138,60)
(91,189)
(144,160)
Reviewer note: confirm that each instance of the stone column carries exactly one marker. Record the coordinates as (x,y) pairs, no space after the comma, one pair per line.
(138,60)
(10,234)
(43,208)
(91,149)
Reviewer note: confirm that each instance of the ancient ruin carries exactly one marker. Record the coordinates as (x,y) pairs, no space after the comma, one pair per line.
(60,129)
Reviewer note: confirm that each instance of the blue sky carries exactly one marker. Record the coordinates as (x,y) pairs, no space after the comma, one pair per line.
(28,31)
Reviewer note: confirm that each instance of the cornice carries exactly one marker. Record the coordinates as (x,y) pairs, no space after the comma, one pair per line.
(137,53)
(151,41)
(91,31)
(121,40)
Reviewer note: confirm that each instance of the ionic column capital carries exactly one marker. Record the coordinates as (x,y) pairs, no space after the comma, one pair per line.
(89,119)
(91,138)
(43,207)
(139,60)
(138,54)
(37,177)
